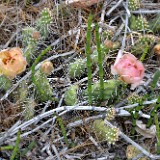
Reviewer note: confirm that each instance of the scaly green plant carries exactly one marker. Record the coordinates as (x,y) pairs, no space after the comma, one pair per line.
(100,63)
(88,55)
(104,132)
(64,133)
(16,151)
(70,96)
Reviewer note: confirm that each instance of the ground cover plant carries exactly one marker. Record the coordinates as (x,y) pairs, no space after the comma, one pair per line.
(79,79)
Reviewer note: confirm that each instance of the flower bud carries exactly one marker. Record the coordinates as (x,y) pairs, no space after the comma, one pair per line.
(47,67)
(108,44)
(156,49)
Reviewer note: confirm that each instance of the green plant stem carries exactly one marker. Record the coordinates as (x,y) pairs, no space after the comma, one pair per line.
(89,63)
(16,148)
(135,117)
(60,121)
(36,62)
(100,61)
(28,148)
(3,148)
(153,112)
(144,54)
(157,132)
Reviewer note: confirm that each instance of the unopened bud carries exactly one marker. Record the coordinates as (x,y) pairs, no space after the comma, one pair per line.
(47,67)
(156,49)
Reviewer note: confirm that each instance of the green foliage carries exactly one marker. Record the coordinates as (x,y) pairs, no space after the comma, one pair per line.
(155,24)
(43,22)
(110,88)
(138,23)
(28,148)
(16,151)
(9,147)
(60,122)
(155,79)
(5,83)
(76,68)
(104,132)
(70,96)
(100,63)
(133,4)
(89,63)
(134,98)
(153,112)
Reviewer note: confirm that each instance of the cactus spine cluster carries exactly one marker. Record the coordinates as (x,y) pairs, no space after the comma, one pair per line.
(133,4)
(104,132)
(138,23)
(111,113)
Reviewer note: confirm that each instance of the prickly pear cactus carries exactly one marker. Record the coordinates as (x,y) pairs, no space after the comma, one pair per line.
(43,22)
(43,88)
(133,4)
(77,68)
(70,97)
(5,83)
(110,90)
(104,132)
(138,23)
(111,113)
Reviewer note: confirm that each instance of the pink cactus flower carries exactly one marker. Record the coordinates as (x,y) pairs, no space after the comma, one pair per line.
(129,69)
(12,62)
